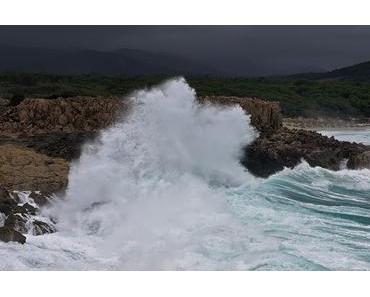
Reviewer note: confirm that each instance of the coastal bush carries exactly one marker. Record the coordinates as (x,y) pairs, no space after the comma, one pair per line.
(298,97)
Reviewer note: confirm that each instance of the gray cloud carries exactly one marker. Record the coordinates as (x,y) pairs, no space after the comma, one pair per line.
(249,50)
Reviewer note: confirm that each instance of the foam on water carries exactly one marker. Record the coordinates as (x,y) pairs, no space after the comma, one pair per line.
(164,190)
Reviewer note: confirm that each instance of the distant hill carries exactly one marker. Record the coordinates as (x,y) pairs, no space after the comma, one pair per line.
(123,61)
(357,72)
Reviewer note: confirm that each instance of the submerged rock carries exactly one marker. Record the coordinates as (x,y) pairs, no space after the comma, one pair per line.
(8,234)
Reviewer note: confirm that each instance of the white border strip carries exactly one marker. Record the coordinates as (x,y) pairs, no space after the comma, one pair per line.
(184,12)
(185,284)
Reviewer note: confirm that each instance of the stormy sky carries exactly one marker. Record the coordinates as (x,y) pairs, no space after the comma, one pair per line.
(240,50)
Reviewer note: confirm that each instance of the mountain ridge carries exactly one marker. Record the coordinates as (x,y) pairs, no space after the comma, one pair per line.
(87,61)
(356,72)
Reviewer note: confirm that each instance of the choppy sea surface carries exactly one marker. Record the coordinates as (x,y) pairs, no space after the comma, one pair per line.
(164,190)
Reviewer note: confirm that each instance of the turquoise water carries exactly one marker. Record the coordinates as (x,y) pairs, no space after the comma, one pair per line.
(320,219)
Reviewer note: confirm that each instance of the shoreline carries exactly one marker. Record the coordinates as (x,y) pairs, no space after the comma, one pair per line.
(327,124)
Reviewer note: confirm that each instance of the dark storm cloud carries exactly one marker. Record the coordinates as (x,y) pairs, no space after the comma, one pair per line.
(252,50)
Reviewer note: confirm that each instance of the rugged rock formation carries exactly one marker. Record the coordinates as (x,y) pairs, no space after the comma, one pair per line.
(24,169)
(7,201)
(9,234)
(265,116)
(279,147)
(78,114)
(41,199)
(287,147)
(57,128)
(84,114)
(18,218)
(359,161)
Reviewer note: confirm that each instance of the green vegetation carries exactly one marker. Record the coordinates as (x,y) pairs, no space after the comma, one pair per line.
(298,97)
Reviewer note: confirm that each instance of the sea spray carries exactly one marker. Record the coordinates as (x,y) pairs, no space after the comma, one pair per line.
(150,184)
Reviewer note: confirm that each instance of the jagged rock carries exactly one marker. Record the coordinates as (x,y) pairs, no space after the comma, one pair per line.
(20,209)
(20,220)
(58,127)
(40,198)
(25,209)
(17,222)
(30,209)
(40,228)
(7,201)
(286,148)
(359,161)
(7,234)
(24,169)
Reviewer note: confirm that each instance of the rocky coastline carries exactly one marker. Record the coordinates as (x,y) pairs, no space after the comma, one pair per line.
(40,137)
(286,147)
(326,123)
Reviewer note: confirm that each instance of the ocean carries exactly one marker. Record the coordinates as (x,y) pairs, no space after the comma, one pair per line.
(164,190)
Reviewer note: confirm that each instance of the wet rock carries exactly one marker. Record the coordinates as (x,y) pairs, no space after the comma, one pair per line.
(17,222)
(40,198)
(40,228)
(25,223)
(7,201)
(8,234)
(25,209)
(28,208)
(270,153)
(359,161)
